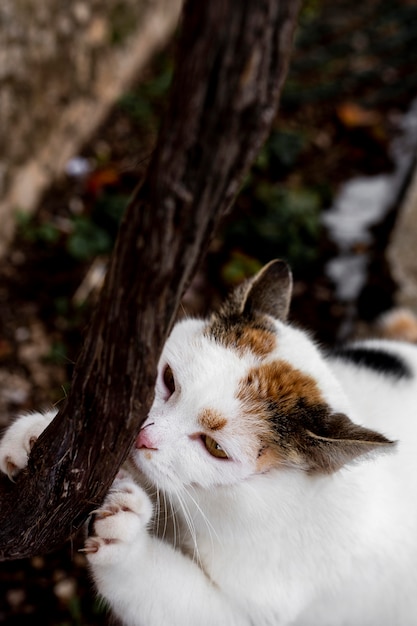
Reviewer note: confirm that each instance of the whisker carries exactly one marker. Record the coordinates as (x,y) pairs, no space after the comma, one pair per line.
(174,522)
(191,527)
(165,511)
(211,530)
(158,511)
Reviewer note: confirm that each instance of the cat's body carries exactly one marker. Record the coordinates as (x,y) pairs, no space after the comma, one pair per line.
(273,508)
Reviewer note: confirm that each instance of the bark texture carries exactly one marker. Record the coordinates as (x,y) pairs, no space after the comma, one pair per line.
(231,64)
(62,65)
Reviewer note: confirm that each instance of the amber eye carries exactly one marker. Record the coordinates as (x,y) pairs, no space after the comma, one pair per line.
(169,380)
(213,447)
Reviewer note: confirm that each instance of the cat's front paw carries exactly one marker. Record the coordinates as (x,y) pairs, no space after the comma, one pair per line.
(119,522)
(18,440)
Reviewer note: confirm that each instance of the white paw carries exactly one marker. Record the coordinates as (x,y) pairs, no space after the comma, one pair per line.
(119,522)
(17,441)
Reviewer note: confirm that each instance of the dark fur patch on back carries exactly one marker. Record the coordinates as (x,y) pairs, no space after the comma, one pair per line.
(375,359)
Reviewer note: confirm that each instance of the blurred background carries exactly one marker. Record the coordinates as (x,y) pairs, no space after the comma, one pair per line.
(333,191)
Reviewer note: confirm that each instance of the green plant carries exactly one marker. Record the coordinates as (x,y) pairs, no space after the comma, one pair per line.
(87,239)
(280,221)
(143,103)
(34,231)
(281,150)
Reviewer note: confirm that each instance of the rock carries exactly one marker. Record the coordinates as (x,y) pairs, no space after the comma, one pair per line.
(401,251)
(62,66)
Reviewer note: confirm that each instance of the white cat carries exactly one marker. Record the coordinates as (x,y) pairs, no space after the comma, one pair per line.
(268,496)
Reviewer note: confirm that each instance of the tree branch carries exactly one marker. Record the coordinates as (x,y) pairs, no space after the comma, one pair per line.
(232,61)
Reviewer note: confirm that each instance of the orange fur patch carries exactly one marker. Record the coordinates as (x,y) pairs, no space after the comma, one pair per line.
(212,420)
(292,425)
(280,383)
(268,458)
(272,390)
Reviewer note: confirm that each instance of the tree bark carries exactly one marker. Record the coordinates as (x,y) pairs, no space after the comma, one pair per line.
(231,64)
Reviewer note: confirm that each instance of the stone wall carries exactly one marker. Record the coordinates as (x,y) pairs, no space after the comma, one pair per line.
(62,65)
(401,253)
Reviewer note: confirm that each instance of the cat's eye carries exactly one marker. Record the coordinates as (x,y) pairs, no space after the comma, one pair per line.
(213,447)
(169,380)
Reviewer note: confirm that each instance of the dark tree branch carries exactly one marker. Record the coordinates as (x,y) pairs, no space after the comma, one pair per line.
(232,61)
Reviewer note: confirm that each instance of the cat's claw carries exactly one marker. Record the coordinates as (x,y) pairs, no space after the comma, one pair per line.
(9,468)
(115,525)
(101,513)
(93,544)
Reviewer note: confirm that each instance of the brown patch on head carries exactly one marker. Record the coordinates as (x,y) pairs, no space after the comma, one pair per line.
(242,338)
(280,385)
(256,337)
(295,426)
(212,420)
(279,395)
(245,320)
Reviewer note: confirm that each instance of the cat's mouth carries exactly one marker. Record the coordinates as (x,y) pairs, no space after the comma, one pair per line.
(157,473)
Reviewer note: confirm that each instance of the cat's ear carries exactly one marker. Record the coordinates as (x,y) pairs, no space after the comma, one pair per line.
(269,291)
(338,442)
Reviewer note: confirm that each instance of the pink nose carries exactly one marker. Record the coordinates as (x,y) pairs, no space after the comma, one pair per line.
(145,440)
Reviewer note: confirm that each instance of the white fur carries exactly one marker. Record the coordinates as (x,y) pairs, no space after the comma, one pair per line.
(232,547)
(17,441)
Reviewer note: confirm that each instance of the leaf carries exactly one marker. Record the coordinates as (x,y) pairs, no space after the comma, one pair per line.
(352,115)
(102,178)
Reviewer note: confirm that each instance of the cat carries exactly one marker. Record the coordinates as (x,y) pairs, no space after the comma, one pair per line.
(273,483)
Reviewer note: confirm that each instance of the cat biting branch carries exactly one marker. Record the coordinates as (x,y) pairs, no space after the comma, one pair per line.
(272,482)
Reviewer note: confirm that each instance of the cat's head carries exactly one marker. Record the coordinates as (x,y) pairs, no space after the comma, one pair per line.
(245,393)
